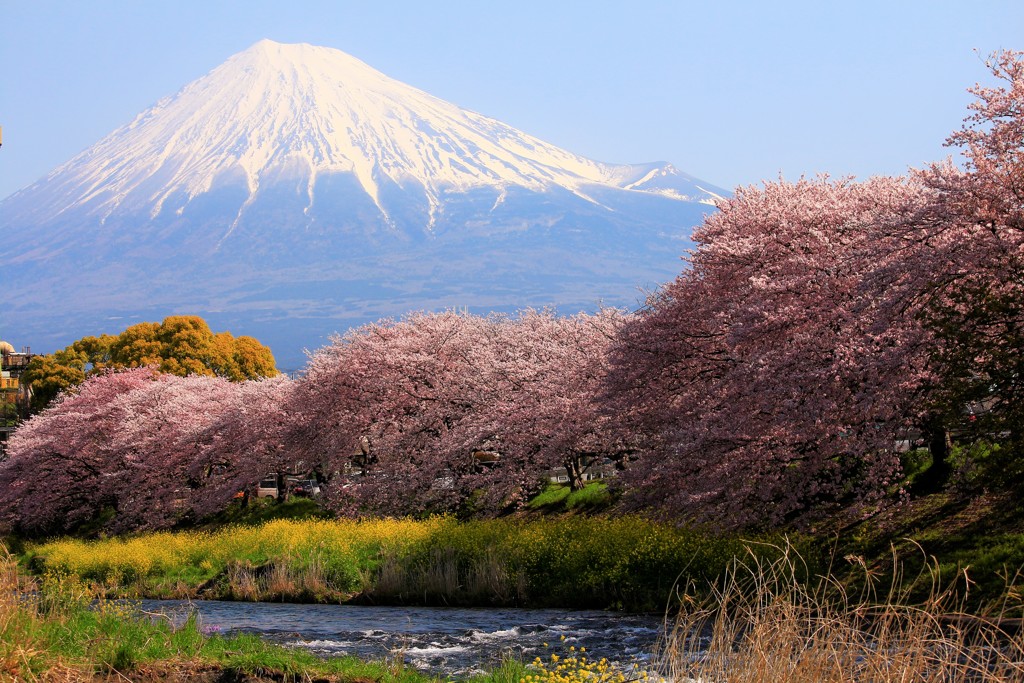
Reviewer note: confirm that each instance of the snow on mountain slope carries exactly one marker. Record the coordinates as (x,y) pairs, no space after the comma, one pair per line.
(278,110)
(296,183)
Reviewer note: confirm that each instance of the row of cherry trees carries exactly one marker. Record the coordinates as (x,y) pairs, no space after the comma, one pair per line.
(149,447)
(436,412)
(818,325)
(821,323)
(766,371)
(457,409)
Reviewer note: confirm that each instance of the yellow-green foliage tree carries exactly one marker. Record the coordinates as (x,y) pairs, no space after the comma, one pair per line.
(180,345)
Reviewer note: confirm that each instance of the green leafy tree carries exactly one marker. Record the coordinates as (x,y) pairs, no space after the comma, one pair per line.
(51,374)
(180,345)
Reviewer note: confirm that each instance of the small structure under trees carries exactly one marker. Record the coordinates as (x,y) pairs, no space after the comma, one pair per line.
(15,394)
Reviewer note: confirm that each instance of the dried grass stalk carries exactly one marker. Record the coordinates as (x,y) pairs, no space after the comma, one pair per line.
(764,623)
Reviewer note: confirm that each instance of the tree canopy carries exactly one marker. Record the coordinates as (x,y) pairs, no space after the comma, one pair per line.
(445,407)
(180,345)
(822,326)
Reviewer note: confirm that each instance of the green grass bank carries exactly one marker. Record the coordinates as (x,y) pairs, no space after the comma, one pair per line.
(763,620)
(56,628)
(53,628)
(625,563)
(559,554)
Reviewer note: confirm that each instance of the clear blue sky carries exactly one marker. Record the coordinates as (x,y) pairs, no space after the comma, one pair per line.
(732,92)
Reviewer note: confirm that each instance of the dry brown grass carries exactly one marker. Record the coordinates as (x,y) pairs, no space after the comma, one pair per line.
(763,623)
(489,578)
(18,646)
(279,581)
(243,582)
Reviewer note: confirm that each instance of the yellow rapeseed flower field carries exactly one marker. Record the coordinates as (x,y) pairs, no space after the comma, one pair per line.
(572,561)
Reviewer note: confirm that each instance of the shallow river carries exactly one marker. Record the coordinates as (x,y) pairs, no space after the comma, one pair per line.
(435,639)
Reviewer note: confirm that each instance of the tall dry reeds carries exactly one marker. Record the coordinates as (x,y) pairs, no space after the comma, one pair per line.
(444,575)
(768,622)
(280,580)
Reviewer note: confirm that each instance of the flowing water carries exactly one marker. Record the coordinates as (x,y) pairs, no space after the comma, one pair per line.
(443,641)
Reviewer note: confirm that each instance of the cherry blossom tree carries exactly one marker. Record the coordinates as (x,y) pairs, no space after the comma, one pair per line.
(762,377)
(390,399)
(141,450)
(239,445)
(163,428)
(63,467)
(972,244)
(820,322)
(546,375)
(450,411)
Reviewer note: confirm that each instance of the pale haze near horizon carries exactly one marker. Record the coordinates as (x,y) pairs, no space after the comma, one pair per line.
(733,94)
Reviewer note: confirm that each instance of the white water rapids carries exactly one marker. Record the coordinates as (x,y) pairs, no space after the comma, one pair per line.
(442,641)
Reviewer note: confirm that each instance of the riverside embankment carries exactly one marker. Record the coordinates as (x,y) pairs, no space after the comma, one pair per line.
(769,615)
(625,563)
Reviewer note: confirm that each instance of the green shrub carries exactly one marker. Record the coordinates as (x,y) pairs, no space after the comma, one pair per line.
(984,464)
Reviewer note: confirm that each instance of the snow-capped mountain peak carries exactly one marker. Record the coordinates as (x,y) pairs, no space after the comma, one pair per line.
(297,111)
(296,183)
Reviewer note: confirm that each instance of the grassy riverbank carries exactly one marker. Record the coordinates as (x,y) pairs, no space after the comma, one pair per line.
(761,621)
(566,560)
(929,586)
(58,628)
(53,629)
(976,541)
(549,557)
(625,563)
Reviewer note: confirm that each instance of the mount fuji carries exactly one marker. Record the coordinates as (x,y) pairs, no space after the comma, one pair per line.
(294,191)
